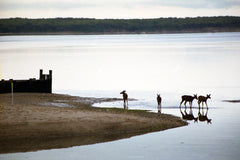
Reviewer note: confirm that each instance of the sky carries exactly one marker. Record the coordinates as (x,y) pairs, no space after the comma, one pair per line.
(117,9)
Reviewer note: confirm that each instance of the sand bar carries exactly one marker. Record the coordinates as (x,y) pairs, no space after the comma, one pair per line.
(35,121)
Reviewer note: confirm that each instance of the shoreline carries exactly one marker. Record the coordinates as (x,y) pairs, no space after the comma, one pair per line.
(232,101)
(207,30)
(32,123)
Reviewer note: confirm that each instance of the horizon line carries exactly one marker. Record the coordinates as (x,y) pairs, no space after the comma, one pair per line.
(116,18)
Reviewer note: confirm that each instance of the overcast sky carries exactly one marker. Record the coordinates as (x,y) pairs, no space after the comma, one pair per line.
(118,8)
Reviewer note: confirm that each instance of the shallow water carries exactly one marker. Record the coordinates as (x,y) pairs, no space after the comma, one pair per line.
(144,65)
(200,140)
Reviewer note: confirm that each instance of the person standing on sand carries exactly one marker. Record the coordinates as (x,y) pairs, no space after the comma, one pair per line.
(159,101)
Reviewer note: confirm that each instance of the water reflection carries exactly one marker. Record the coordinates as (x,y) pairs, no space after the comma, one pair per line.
(202,115)
(188,116)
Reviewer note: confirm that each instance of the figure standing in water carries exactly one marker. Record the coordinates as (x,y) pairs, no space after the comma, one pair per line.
(159,101)
(125,99)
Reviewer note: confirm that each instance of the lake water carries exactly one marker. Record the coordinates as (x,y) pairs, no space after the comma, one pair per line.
(144,65)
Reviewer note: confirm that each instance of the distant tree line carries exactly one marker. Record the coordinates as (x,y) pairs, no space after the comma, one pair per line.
(85,25)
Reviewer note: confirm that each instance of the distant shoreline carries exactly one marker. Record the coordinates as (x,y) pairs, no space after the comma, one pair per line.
(232,101)
(88,26)
(122,33)
(34,122)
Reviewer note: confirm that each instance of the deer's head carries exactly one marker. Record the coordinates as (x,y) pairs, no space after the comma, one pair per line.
(123,92)
(195,96)
(209,96)
(209,121)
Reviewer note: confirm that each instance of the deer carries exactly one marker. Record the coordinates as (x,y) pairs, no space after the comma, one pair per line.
(202,99)
(188,98)
(159,101)
(125,99)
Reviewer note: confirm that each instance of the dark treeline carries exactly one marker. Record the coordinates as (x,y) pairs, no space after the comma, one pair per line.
(87,26)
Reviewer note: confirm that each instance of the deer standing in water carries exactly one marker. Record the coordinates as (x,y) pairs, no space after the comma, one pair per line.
(159,101)
(187,98)
(202,99)
(125,99)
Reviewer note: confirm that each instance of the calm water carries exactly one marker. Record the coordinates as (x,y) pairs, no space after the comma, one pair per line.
(144,65)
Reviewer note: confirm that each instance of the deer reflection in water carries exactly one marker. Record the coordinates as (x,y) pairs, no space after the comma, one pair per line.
(203,116)
(188,116)
(185,115)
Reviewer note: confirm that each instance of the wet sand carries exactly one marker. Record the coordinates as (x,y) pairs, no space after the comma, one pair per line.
(45,121)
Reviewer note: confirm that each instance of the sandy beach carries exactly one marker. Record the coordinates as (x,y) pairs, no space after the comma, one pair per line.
(44,121)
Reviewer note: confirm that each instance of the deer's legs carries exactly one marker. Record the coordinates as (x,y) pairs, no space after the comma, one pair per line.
(206,104)
(190,103)
(159,109)
(124,104)
(181,103)
(185,105)
(206,113)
